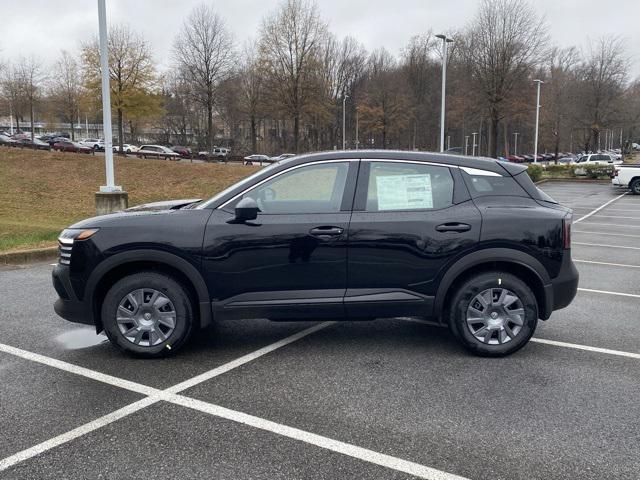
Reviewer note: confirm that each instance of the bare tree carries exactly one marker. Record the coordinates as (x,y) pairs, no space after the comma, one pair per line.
(252,90)
(289,44)
(505,40)
(30,77)
(12,91)
(204,52)
(66,90)
(602,77)
(132,75)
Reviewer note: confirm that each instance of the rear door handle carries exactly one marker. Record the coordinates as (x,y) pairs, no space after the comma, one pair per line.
(453,227)
(326,231)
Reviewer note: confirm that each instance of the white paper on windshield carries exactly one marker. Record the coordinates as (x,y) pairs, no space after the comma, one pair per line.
(404,192)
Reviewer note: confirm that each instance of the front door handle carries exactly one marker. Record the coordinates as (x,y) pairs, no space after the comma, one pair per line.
(326,231)
(453,227)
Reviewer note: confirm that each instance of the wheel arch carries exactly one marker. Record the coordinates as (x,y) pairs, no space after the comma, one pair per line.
(518,263)
(120,265)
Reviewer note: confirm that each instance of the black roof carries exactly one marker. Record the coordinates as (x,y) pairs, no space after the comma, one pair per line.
(481,163)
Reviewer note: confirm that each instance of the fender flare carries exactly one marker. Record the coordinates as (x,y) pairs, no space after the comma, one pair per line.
(159,256)
(489,255)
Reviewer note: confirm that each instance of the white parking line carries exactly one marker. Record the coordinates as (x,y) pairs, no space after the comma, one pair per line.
(606,263)
(607,233)
(599,208)
(604,245)
(606,292)
(343,448)
(586,347)
(604,215)
(610,224)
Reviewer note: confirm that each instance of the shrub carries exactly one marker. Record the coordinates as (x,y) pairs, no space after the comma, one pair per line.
(535,172)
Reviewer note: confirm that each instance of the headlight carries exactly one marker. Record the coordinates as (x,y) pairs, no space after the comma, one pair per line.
(68,235)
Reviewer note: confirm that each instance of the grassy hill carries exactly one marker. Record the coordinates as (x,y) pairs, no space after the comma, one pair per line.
(43,192)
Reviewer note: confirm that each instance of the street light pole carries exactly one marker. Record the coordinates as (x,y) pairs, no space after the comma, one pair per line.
(357,141)
(473,144)
(466,144)
(10,118)
(344,138)
(110,198)
(535,142)
(445,40)
(515,143)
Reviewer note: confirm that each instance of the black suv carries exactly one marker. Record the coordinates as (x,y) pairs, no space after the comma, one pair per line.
(470,243)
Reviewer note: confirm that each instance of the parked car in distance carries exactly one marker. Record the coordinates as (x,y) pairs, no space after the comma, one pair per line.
(35,144)
(598,159)
(184,152)
(217,153)
(627,176)
(7,141)
(69,146)
(469,243)
(128,148)
(157,151)
(248,160)
(282,157)
(96,143)
(516,159)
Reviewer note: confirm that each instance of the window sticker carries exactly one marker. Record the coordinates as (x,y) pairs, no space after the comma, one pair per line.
(404,192)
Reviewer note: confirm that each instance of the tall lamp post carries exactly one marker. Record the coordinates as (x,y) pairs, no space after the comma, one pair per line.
(466,144)
(535,142)
(473,144)
(110,198)
(344,138)
(445,40)
(515,143)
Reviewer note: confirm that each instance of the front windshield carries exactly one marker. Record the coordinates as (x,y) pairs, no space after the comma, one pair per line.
(241,183)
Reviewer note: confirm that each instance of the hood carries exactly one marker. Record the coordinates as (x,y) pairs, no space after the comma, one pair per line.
(164,205)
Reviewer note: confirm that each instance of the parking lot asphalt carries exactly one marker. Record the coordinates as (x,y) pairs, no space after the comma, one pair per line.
(383,399)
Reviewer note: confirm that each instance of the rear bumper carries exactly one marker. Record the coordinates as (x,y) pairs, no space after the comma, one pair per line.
(68,306)
(562,289)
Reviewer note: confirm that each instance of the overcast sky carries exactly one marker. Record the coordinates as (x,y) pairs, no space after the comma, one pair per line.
(44,27)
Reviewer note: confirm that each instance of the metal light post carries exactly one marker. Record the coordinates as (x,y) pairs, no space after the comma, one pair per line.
(10,118)
(466,144)
(344,138)
(535,142)
(110,198)
(515,143)
(445,40)
(473,144)
(357,141)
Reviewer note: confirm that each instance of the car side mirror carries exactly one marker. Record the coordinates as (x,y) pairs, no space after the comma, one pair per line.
(246,209)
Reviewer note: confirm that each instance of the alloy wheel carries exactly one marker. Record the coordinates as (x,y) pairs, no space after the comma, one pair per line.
(146,317)
(495,316)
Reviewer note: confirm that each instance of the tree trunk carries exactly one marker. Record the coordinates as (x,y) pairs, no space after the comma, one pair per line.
(120,133)
(32,125)
(493,137)
(73,136)
(254,134)
(209,126)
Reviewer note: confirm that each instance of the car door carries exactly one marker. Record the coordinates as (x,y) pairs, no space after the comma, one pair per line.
(291,262)
(410,220)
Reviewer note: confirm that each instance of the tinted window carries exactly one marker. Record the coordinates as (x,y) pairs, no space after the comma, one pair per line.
(408,186)
(482,186)
(310,189)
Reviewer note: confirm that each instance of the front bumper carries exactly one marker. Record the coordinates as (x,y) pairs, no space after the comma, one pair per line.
(68,306)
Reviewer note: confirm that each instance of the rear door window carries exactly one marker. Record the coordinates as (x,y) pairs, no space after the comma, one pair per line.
(485,186)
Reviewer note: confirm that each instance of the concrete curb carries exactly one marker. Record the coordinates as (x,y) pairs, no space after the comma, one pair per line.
(21,257)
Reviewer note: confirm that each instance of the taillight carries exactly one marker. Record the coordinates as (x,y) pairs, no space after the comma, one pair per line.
(566,231)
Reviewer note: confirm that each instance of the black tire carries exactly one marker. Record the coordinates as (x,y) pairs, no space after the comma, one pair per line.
(635,186)
(173,290)
(467,292)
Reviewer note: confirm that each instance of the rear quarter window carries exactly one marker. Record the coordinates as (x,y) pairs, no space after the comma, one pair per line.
(486,186)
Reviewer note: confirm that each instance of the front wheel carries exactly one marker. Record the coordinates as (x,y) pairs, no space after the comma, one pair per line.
(147,314)
(635,186)
(493,314)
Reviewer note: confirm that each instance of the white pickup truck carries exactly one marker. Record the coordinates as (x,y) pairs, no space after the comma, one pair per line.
(627,176)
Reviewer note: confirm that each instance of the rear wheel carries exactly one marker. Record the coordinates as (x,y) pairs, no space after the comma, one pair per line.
(147,314)
(635,186)
(493,314)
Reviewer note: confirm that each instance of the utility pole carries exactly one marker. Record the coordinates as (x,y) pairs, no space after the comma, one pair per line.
(448,142)
(445,40)
(357,142)
(535,142)
(344,116)
(473,144)
(110,198)
(10,118)
(515,143)
(466,144)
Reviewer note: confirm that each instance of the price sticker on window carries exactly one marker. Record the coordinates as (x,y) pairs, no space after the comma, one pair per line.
(404,192)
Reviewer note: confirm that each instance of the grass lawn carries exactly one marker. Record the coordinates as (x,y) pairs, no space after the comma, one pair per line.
(43,192)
